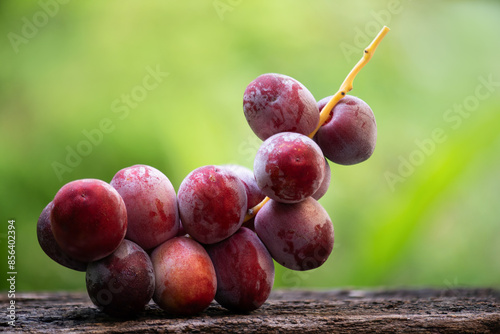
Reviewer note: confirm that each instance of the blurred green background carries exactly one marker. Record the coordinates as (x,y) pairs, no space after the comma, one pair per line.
(423,211)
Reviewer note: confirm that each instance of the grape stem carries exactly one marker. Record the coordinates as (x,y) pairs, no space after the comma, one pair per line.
(348,82)
(346,87)
(253,211)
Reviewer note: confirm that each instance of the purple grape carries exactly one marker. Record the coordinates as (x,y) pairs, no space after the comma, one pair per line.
(121,284)
(49,244)
(275,103)
(212,204)
(289,167)
(151,205)
(244,269)
(349,135)
(298,236)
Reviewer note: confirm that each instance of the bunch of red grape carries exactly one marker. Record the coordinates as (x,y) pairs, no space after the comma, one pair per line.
(217,237)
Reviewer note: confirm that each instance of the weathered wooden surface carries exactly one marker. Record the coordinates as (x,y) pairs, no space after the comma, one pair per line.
(343,311)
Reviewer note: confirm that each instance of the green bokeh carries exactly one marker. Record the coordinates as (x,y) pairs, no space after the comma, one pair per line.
(423,211)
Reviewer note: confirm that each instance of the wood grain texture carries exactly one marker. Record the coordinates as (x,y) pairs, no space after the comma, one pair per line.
(342,311)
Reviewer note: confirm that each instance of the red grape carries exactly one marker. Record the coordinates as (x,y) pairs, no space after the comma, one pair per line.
(49,244)
(122,283)
(212,204)
(89,219)
(275,103)
(151,205)
(350,133)
(298,236)
(244,269)
(289,167)
(185,276)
